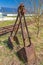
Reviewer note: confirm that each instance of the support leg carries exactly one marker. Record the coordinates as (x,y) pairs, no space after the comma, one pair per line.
(15,37)
(14,26)
(27,31)
(17,28)
(22,32)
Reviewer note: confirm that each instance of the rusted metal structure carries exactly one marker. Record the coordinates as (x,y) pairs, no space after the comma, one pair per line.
(27,52)
(21,11)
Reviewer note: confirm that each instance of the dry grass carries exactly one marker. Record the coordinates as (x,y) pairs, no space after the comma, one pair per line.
(7,57)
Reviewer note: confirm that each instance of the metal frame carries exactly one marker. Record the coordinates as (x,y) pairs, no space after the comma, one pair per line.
(22,30)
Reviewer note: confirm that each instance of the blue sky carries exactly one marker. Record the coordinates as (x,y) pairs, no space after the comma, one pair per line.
(15,3)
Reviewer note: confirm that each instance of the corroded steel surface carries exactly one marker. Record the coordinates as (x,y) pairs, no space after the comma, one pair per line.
(28,55)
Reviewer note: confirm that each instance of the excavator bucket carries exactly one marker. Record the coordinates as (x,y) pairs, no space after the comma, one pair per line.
(28,55)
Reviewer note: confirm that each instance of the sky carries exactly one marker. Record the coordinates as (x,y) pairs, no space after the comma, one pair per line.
(15,3)
(29,4)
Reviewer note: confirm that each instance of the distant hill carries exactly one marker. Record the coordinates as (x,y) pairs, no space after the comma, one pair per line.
(12,10)
(8,10)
